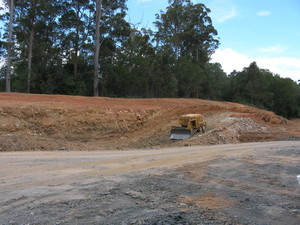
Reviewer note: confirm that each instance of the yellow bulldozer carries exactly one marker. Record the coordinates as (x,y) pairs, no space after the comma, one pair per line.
(189,124)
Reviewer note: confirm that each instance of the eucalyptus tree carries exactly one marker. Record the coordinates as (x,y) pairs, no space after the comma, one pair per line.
(11,5)
(186,30)
(75,23)
(254,76)
(217,82)
(98,14)
(36,36)
(134,56)
(27,14)
(107,14)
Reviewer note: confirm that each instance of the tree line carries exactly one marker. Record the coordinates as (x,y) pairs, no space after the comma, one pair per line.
(86,47)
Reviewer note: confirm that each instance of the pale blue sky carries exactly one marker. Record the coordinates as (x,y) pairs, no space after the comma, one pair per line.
(265,31)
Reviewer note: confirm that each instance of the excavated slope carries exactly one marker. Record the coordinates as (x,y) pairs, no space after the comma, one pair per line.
(57,122)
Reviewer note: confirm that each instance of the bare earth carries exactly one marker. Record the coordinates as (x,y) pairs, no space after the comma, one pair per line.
(251,183)
(212,178)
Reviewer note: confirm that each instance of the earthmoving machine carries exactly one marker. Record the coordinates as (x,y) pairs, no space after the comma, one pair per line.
(189,124)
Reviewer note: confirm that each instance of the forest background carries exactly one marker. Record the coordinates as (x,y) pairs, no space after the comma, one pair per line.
(86,47)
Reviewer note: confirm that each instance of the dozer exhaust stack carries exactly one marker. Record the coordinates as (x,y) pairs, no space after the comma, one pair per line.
(180,133)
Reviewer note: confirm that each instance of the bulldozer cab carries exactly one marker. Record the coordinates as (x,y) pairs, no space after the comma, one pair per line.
(193,123)
(190,121)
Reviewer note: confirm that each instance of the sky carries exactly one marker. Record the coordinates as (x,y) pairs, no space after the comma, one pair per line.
(264,31)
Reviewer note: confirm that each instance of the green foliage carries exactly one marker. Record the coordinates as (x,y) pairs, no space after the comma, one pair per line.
(217,82)
(258,87)
(172,62)
(185,29)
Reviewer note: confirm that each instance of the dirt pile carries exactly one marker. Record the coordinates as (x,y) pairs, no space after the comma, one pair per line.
(54,122)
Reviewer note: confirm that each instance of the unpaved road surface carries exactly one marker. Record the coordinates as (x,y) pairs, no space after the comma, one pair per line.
(249,183)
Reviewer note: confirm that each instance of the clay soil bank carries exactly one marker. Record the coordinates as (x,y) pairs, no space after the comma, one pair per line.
(55,122)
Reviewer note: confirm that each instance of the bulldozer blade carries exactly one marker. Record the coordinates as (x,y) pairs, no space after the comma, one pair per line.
(180,134)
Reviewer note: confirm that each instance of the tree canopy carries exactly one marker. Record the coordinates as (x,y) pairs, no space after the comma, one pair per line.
(186,29)
(70,47)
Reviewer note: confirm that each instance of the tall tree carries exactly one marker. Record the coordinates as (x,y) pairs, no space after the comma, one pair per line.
(10,4)
(33,19)
(253,76)
(76,28)
(26,18)
(35,31)
(97,46)
(216,82)
(107,14)
(186,30)
(135,56)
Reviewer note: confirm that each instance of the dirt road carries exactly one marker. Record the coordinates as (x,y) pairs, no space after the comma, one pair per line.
(250,183)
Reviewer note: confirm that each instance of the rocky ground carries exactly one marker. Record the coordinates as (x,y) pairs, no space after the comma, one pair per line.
(253,183)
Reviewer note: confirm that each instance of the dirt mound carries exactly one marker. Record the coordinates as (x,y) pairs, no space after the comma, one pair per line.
(55,122)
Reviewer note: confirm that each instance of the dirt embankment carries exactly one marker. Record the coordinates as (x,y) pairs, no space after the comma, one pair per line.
(55,122)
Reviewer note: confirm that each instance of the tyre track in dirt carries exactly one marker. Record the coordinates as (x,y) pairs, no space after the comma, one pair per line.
(56,164)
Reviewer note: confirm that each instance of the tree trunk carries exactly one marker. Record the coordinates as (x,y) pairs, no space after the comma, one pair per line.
(30,46)
(76,50)
(97,47)
(197,53)
(75,60)
(9,45)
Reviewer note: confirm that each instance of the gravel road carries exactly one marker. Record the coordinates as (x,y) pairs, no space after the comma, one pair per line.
(250,183)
